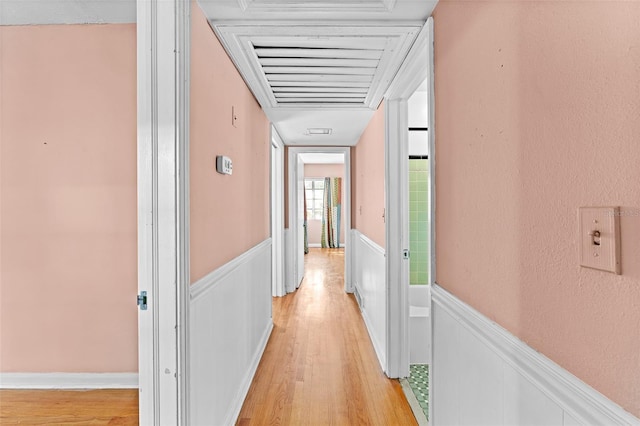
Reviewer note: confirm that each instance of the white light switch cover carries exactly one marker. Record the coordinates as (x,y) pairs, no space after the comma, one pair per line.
(606,255)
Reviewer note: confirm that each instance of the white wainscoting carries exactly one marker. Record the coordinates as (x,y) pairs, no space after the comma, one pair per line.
(68,380)
(483,375)
(369,281)
(230,323)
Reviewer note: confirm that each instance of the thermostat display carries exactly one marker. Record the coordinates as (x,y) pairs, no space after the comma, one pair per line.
(224,165)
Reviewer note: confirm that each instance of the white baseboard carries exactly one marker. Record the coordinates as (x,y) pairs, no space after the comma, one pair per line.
(377,345)
(319,245)
(236,405)
(520,385)
(68,380)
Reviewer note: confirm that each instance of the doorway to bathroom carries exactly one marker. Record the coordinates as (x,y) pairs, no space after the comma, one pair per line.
(417,383)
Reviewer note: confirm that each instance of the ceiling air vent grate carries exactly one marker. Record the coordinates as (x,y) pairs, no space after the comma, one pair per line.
(294,74)
(317,67)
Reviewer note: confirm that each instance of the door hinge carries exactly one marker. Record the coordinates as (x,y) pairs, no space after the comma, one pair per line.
(142,300)
(406,254)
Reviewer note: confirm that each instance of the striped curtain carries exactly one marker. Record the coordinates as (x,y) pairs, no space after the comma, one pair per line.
(331,210)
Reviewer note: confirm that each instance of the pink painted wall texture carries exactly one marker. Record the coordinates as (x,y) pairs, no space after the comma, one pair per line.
(68,265)
(537,114)
(229,214)
(314,227)
(367,180)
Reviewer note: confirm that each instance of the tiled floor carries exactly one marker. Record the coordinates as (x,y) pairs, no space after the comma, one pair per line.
(419,382)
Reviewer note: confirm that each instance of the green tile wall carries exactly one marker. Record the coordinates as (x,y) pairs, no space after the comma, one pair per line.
(418,221)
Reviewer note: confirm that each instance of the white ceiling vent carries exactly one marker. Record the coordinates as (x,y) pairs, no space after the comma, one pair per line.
(317,66)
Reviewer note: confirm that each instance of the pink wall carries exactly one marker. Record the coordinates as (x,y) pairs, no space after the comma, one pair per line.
(537,112)
(367,180)
(324,170)
(68,269)
(233,209)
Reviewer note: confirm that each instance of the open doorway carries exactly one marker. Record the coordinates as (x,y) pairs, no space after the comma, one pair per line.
(419,187)
(324,176)
(410,132)
(319,200)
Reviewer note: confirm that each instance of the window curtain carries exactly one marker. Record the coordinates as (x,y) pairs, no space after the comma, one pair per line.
(331,210)
(304,224)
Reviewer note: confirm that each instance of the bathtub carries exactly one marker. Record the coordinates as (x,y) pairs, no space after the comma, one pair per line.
(419,324)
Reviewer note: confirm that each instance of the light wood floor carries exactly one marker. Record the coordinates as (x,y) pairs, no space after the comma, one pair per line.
(47,407)
(319,367)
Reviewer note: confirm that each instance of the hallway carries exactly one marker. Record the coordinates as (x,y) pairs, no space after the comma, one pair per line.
(319,366)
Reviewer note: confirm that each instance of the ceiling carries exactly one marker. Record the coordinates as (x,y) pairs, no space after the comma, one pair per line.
(310,63)
(321,158)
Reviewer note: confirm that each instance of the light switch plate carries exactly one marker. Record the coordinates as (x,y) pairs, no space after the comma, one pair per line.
(600,238)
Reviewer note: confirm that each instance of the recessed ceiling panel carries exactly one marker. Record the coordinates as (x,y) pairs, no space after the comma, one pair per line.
(317,66)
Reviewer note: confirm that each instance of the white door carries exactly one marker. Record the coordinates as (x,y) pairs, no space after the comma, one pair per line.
(300,219)
(277,217)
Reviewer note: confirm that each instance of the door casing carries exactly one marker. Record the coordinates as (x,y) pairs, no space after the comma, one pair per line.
(277,213)
(293,255)
(163,71)
(417,67)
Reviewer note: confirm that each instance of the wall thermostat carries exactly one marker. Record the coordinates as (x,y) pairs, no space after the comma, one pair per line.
(224,165)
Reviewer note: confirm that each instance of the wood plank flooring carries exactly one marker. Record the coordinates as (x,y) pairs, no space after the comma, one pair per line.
(58,407)
(319,367)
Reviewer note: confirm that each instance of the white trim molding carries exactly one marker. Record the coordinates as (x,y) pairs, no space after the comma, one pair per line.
(68,380)
(416,66)
(209,281)
(163,70)
(412,72)
(277,214)
(520,385)
(397,236)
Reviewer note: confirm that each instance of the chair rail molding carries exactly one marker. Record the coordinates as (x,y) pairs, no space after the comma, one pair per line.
(522,385)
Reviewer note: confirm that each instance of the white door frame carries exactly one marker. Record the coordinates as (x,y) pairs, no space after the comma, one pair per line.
(417,67)
(346,214)
(163,41)
(277,213)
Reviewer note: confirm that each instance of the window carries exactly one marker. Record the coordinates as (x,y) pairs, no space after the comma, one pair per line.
(314,191)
